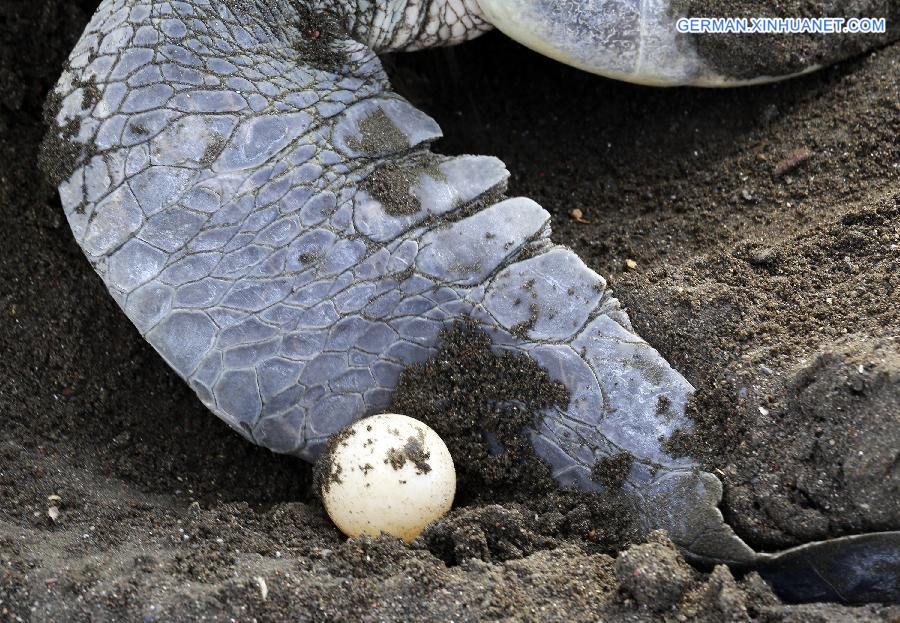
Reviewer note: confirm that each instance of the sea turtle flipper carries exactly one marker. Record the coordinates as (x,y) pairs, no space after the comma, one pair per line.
(269,215)
(851,570)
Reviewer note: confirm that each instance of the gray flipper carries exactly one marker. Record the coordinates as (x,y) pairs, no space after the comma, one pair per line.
(267,213)
(850,570)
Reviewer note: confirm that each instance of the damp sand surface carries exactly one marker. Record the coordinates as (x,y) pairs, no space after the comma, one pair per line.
(752,234)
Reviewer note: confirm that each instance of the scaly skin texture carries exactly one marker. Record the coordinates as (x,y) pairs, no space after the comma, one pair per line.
(267,213)
(394,25)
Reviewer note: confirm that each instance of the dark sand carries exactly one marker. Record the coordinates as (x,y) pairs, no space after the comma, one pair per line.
(763,224)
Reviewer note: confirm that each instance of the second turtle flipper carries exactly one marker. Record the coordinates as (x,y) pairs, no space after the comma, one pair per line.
(857,569)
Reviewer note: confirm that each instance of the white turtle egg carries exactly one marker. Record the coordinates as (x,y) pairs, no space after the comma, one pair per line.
(389,474)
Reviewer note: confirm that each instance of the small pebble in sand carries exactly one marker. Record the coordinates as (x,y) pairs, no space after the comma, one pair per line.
(791,161)
(386,474)
(630,264)
(578,216)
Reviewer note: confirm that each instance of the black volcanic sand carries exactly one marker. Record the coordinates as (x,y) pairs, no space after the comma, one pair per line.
(761,227)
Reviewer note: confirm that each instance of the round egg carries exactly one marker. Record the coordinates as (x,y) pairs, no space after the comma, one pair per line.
(389,474)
